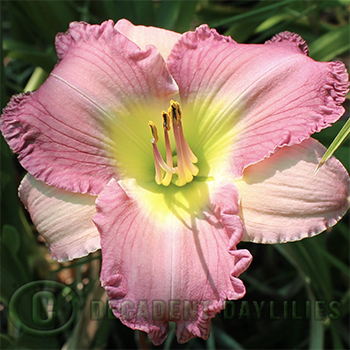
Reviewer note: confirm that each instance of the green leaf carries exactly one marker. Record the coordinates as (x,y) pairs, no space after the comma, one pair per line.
(37,78)
(226,340)
(334,261)
(272,21)
(316,326)
(210,343)
(176,15)
(22,51)
(6,342)
(337,343)
(170,338)
(12,273)
(144,11)
(332,44)
(343,133)
(252,13)
(344,2)
(10,237)
(37,21)
(306,257)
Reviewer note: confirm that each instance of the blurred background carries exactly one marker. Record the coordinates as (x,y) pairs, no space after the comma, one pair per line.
(297,293)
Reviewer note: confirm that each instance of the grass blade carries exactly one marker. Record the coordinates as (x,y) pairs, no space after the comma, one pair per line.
(251,13)
(343,133)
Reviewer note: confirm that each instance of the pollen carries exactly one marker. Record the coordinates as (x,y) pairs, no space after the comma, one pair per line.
(154,131)
(185,169)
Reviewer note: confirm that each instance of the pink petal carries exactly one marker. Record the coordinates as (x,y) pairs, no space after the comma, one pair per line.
(63,218)
(156,267)
(246,101)
(162,39)
(63,132)
(282,200)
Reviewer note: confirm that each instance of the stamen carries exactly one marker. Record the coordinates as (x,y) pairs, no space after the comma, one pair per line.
(154,131)
(188,150)
(185,158)
(159,159)
(169,157)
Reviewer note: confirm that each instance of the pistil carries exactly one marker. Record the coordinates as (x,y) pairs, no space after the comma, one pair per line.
(185,169)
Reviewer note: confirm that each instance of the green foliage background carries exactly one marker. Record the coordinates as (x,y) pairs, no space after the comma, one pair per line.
(311,272)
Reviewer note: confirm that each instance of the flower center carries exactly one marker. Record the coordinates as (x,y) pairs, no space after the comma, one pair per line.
(185,168)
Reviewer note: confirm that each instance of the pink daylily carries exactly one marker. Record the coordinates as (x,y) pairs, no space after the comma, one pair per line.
(166,150)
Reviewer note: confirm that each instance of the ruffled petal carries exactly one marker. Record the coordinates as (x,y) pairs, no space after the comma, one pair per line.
(57,139)
(162,39)
(177,263)
(243,102)
(63,218)
(73,131)
(283,200)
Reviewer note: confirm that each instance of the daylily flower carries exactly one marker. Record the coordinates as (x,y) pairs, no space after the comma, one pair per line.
(167,150)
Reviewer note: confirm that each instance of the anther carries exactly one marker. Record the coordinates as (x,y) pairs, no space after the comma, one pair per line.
(154,131)
(166,121)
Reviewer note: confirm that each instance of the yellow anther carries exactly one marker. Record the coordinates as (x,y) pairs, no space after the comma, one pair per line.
(154,131)
(174,111)
(166,120)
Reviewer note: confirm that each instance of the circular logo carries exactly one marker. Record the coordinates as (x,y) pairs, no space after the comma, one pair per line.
(44,308)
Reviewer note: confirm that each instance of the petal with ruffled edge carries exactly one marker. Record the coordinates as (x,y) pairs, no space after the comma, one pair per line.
(70,132)
(167,259)
(63,218)
(282,200)
(162,39)
(243,102)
